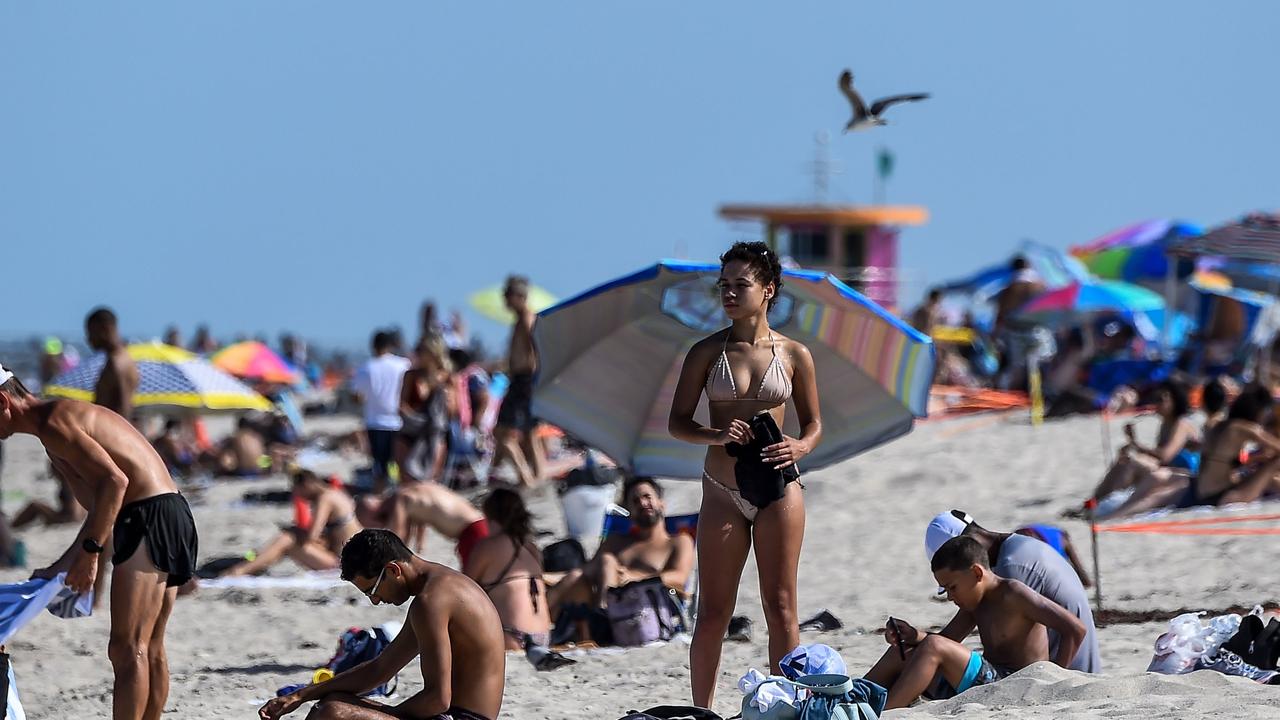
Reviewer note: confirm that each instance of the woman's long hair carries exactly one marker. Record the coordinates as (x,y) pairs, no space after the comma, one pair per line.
(506,508)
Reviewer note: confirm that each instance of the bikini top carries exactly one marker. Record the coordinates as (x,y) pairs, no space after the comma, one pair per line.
(775,386)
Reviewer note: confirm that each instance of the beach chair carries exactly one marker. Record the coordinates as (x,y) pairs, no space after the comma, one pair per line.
(617,522)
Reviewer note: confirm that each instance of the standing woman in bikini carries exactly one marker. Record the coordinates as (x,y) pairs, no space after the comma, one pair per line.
(745,369)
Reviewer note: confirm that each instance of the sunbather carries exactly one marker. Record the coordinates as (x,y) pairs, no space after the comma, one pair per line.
(508,566)
(317,546)
(1222,479)
(419,505)
(649,551)
(1176,448)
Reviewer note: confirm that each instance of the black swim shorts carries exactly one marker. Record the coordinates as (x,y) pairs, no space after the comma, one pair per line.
(170,531)
(517,405)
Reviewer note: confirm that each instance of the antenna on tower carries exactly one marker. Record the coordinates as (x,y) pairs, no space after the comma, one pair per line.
(823,167)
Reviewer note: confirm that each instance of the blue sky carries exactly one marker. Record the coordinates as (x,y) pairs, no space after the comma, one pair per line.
(324,166)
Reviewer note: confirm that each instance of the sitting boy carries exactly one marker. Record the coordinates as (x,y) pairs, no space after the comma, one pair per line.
(1011,620)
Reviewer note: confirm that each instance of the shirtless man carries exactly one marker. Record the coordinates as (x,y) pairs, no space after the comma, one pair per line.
(513,436)
(119,379)
(1011,619)
(116,474)
(451,625)
(648,551)
(423,504)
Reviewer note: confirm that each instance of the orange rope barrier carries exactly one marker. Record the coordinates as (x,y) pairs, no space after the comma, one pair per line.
(1196,531)
(1182,522)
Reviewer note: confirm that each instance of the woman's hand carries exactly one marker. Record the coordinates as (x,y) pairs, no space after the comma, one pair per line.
(739,431)
(786,453)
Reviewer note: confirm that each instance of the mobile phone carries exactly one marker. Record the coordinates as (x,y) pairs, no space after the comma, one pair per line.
(897,634)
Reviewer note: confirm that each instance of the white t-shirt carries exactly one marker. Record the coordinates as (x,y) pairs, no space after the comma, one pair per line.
(378,382)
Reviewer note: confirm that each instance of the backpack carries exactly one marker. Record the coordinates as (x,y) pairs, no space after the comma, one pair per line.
(563,556)
(358,645)
(643,612)
(672,712)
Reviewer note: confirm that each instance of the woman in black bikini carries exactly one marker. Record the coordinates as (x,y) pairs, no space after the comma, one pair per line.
(1222,480)
(318,547)
(749,499)
(508,566)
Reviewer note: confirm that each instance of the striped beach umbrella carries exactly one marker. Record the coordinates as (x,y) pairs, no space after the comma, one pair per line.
(610,359)
(253,360)
(168,377)
(1254,239)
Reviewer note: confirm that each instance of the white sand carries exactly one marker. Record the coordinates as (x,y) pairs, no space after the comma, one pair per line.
(863,558)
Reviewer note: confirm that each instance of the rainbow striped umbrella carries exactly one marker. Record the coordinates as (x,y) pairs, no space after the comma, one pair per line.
(1137,252)
(610,359)
(254,361)
(168,377)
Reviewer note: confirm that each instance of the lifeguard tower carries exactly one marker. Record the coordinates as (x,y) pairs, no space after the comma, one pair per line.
(856,243)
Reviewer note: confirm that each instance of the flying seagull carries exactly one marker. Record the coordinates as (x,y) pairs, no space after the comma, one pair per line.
(864,119)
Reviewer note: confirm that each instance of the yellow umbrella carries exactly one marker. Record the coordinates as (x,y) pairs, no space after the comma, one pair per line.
(490,303)
(169,377)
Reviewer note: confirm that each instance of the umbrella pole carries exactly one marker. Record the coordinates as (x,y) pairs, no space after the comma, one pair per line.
(1170,289)
(1106,440)
(1091,507)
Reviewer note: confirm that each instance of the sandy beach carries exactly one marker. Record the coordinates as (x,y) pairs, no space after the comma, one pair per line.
(863,559)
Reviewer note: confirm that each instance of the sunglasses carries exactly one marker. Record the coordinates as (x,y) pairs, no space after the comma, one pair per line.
(374,590)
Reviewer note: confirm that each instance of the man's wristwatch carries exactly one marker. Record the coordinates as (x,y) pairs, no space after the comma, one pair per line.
(91,547)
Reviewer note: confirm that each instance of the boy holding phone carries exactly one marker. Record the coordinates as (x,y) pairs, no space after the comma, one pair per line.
(1011,620)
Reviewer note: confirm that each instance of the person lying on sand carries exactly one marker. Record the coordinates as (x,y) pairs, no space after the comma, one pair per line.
(415,506)
(451,625)
(1011,620)
(317,547)
(648,551)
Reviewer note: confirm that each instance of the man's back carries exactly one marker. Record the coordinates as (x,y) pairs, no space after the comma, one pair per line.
(476,643)
(378,381)
(68,420)
(1041,568)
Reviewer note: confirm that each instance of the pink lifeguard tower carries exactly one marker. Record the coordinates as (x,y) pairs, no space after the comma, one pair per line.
(856,243)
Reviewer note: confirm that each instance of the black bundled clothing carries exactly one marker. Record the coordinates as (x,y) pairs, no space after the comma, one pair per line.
(759,482)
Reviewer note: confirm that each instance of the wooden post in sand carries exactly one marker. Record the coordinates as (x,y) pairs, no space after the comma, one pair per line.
(1091,507)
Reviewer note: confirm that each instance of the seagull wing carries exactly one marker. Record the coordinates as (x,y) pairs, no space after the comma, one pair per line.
(882,104)
(846,87)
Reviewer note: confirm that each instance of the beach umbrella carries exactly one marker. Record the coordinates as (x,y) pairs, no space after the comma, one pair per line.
(168,377)
(1253,239)
(489,302)
(253,360)
(610,359)
(1084,298)
(1136,253)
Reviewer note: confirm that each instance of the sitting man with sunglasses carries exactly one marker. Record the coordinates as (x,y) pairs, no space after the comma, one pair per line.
(452,625)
